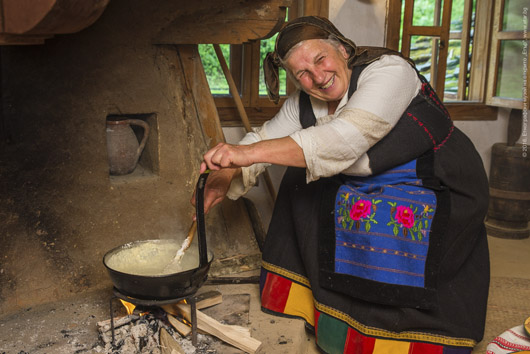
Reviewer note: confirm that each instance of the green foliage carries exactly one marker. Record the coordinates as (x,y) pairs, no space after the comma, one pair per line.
(212,68)
(215,75)
(424,11)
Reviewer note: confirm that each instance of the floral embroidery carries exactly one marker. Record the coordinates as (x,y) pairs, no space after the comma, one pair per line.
(405,216)
(362,211)
(410,221)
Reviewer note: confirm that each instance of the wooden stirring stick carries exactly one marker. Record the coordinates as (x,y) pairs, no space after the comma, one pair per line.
(185,245)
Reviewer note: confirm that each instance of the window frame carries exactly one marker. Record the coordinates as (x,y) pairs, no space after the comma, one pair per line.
(498,35)
(475,108)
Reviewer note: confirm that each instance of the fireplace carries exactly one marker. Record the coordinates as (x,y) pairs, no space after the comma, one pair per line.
(62,207)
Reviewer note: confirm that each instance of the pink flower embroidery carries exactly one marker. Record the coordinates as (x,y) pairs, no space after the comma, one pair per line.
(360,209)
(405,216)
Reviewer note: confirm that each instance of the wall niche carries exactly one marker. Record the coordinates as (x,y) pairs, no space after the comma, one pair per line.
(132,146)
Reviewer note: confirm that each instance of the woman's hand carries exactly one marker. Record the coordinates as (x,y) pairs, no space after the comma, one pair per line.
(216,187)
(282,151)
(225,162)
(226,156)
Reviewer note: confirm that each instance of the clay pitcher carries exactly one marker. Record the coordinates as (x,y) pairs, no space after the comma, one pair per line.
(122,145)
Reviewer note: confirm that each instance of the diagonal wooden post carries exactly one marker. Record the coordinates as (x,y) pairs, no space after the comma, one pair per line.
(241,110)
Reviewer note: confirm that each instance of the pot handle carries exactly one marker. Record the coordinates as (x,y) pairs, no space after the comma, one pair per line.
(201,229)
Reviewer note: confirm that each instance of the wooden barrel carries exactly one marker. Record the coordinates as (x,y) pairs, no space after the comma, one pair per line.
(509,205)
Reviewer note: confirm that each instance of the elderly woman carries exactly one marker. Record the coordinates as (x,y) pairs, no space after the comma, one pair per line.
(377,238)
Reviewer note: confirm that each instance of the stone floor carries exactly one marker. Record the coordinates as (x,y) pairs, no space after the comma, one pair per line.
(70,326)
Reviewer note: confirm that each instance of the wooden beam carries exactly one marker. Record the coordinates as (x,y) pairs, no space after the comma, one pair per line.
(49,17)
(407,25)
(224,22)
(464,50)
(316,8)
(513,35)
(11,39)
(479,59)
(241,111)
(392,24)
(196,82)
(471,111)
(443,48)
(494,54)
(256,115)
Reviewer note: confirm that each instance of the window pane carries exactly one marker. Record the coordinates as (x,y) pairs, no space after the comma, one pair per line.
(212,68)
(422,50)
(513,15)
(427,12)
(267,46)
(510,70)
(452,72)
(457,15)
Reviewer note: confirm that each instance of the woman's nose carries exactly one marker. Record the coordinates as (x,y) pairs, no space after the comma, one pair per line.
(318,77)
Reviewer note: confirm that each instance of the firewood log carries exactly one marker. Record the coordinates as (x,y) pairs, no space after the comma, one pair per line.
(233,335)
(168,344)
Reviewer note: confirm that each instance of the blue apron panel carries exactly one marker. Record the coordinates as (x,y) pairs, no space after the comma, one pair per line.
(382,227)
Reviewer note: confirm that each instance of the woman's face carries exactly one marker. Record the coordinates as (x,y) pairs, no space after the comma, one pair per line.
(320,69)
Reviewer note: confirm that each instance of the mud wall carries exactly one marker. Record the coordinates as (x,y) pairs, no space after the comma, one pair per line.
(60,210)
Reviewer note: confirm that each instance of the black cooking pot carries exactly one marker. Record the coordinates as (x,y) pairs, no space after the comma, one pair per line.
(167,286)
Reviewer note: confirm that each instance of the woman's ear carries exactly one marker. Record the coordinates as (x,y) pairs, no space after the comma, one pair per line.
(343,51)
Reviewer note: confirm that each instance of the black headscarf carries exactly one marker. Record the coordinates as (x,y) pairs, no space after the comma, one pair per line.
(312,27)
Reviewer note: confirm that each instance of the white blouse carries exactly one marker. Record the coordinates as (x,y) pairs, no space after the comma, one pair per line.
(338,143)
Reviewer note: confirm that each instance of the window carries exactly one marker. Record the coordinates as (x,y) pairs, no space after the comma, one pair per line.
(509,54)
(212,68)
(448,40)
(245,63)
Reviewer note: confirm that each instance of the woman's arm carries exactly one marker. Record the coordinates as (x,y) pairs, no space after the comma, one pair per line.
(282,151)
(236,181)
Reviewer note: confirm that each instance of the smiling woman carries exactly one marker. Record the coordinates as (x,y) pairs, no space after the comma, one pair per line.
(374,240)
(321,69)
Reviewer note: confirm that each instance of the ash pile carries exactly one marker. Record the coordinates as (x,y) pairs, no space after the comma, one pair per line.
(167,329)
(149,333)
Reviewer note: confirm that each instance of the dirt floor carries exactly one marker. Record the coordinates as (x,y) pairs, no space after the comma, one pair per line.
(70,326)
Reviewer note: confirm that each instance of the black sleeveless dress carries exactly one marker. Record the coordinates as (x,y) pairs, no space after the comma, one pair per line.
(396,262)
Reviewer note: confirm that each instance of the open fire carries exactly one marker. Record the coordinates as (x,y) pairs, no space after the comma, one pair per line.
(168,329)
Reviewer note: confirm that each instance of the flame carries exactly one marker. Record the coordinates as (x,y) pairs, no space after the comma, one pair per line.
(182,319)
(128,306)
